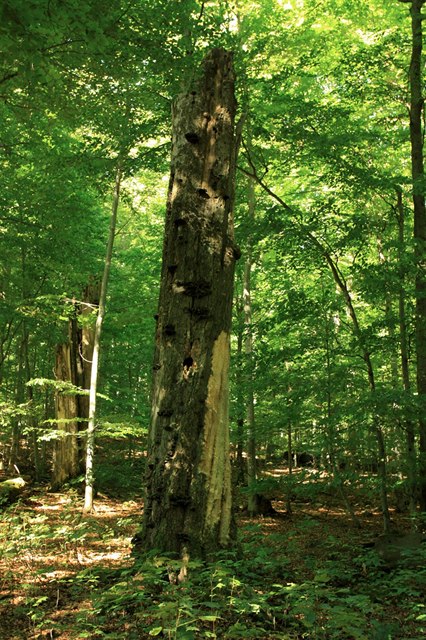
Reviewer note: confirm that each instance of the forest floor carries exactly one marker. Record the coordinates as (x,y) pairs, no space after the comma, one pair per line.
(311,575)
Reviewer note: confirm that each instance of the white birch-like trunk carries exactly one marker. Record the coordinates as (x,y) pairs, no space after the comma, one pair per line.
(91,428)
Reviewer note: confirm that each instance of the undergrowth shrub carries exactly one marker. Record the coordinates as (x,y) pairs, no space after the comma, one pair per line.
(310,583)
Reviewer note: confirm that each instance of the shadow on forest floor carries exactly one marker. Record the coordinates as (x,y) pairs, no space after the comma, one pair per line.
(311,575)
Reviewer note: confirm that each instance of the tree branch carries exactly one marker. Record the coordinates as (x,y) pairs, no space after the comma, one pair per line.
(8,76)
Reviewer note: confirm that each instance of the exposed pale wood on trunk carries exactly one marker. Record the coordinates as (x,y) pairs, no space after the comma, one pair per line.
(188,503)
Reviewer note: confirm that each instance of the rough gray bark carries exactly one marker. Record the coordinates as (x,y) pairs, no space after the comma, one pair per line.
(188,501)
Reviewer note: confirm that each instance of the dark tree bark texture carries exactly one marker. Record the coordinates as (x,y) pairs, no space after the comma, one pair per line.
(67,454)
(188,503)
(417,170)
(73,364)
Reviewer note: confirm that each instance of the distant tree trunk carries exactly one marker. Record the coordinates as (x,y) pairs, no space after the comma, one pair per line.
(417,172)
(239,464)
(289,509)
(329,451)
(88,310)
(30,395)
(91,426)
(73,365)
(188,498)
(376,427)
(389,319)
(330,435)
(66,450)
(408,424)
(248,351)
(13,457)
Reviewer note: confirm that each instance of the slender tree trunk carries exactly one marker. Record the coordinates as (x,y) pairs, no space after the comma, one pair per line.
(30,396)
(188,497)
(7,337)
(89,305)
(417,172)
(389,319)
(91,427)
(376,426)
(408,425)
(240,466)
(289,509)
(376,422)
(330,453)
(330,431)
(248,365)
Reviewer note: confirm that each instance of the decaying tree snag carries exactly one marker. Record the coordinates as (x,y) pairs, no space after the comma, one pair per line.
(73,364)
(67,454)
(188,502)
(214,460)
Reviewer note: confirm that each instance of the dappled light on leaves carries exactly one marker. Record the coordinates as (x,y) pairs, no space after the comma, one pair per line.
(326,378)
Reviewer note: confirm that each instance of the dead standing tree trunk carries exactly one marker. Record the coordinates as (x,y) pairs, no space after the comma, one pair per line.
(73,365)
(188,502)
(66,454)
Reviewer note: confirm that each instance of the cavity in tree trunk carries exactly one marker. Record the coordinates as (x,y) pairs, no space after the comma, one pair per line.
(188,501)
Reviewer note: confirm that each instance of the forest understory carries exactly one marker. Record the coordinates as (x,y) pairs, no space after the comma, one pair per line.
(314,574)
(235,193)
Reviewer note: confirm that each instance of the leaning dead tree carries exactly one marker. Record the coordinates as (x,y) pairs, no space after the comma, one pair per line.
(188,501)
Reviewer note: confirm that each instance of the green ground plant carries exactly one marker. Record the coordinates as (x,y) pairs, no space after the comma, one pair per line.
(311,576)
